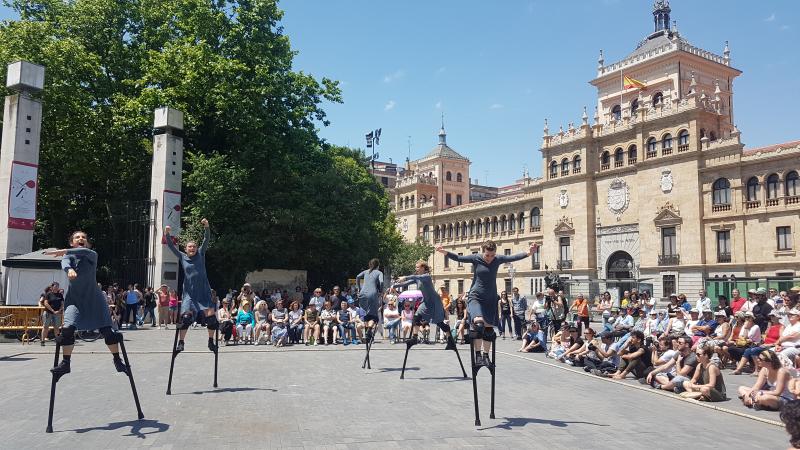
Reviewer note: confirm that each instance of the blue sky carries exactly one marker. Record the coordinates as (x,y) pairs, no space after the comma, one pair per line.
(497,69)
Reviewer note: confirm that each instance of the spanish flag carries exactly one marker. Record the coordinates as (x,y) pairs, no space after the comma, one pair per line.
(630,83)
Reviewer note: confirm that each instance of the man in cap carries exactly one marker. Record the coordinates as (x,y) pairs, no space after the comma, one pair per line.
(787,344)
(762,309)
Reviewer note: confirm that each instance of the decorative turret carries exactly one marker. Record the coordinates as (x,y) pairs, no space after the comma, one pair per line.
(661,12)
(584,118)
(726,54)
(600,61)
(546,129)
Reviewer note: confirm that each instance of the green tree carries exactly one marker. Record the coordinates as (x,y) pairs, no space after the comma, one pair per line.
(404,260)
(276,194)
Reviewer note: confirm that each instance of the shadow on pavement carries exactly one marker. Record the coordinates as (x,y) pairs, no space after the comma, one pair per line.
(136,427)
(516,422)
(226,390)
(458,378)
(394,369)
(15,358)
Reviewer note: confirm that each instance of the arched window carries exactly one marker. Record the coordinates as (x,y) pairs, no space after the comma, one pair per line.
(450,231)
(478,227)
(536,218)
(521,220)
(683,137)
(792,184)
(494,224)
(666,142)
(448,176)
(553,169)
(605,159)
(616,113)
(457,229)
(426,233)
(512,222)
(564,167)
(472,228)
(632,154)
(634,106)
(486,226)
(576,165)
(651,145)
(464,229)
(658,98)
(772,186)
(753,189)
(503,223)
(458,177)
(702,133)
(619,157)
(436,233)
(721,192)
(412,201)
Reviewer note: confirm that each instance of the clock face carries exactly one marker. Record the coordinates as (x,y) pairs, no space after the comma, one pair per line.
(22,195)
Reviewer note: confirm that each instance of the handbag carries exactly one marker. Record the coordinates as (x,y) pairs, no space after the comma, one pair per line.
(742,342)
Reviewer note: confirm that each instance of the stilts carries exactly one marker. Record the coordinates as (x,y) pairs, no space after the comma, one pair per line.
(410,342)
(216,355)
(451,341)
(130,375)
(174,354)
(490,365)
(53,388)
(369,347)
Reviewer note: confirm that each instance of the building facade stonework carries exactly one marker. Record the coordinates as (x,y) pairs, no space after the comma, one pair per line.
(659,186)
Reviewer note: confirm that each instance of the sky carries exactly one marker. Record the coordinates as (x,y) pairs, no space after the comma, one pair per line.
(498,69)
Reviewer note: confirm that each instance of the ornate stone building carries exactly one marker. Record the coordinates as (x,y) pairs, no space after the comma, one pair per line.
(657,187)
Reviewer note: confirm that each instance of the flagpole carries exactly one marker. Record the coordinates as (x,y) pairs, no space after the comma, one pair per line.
(621,90)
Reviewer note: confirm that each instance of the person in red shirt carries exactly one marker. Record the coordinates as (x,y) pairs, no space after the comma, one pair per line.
(737,301)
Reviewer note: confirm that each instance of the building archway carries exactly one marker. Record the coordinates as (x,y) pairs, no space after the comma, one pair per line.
(620,266)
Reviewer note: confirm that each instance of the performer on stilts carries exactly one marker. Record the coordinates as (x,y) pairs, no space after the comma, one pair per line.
(85,308)
(431,310)
(482,308)
(370,288)
(196,296)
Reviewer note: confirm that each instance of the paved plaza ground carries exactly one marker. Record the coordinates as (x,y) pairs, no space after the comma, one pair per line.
(306,397)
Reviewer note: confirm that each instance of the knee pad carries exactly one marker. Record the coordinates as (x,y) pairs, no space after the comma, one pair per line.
(444,327)
(67,336)
(212,323)
(110,336)
(187,319)
(477,330)
(417,320)
(489,335)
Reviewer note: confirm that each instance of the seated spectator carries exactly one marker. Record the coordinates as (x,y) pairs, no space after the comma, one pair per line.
(296,322)
(677,325)
(358,314)
(263,329)
(721,333)
(225,321)
(391,320)
(577,358)
(613,318)
(328,319)
(573,344)
(407,315)
(673,306)
(694,314)
(560,342)
(787,343)
(749,340)
(723,305)
(280,324)
(311,319)
(707,383)
(461,328)
(632,357)
(661,355)
(425,331)
(345,324)
(623,324)
(684,302)
(534,341)
(678,370)
(790,416)
(245,321)
(771,389)
(651,323)
(704,327)
(606,358)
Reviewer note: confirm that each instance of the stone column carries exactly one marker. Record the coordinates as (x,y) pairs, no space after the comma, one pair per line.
(19,159)
(165,195)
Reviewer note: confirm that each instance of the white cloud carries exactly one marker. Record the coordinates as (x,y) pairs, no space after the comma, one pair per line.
(438,105)
(785,27)
(389,106)
(771,18)
(441,70)
(397,75)
(496,106)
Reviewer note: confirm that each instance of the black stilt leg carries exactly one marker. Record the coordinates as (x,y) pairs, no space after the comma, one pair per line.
(174,354)
(492,370)
(405,359)
(369,347)
(458,355)
(216,355)
(130,376)
(474,381)
(53,389)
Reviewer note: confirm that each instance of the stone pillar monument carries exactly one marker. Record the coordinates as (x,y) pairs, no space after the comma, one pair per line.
(165,194)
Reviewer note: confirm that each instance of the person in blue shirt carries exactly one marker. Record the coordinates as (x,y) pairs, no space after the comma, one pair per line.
(534,341)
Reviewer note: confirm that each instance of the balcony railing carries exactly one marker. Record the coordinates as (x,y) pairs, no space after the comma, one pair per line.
(618,163)
(683,148)
(793,200)
(604,166)
(669,260)
(536,229)
(652,154)
(631,161)
(564,173)
(752,204)
(721,207)
(564,264)
(666,151)
(576,170)
(772,201)
(723,257)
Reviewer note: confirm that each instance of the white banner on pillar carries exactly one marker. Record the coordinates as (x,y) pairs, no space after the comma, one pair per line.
(171,213)
(22,195)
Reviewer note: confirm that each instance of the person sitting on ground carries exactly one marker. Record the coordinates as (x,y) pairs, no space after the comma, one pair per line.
(623,324)
(296,322)
(661,355)
(328,318)
(574,343)
(225,321)
(577,358)
(560,342)
(311,318)
(280,324)
(684,363)
(771,389)
(749,340)
(632,357)
(606,358)
(707,384)
(262,329)
(245,321)
(534,341)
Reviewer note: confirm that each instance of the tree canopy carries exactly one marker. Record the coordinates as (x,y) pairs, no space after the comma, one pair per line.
(276,194)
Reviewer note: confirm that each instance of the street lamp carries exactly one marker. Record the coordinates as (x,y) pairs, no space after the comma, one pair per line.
(373,139)
(511,272)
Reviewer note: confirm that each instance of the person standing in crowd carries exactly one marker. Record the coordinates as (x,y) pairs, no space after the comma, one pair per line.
(318,299)
(149,306)
(132,298)
(370,286)
(506,311)
(519,304)
(761,309)
(53,304)
(702,303)
(581,308)
(737,301)
(446,301)
(557,309)
(196,295)
(163,306)
(482,304)
(174,304)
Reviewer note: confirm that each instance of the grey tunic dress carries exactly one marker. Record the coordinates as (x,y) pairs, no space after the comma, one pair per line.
(85,305)
(431,310)
(483,295)
(369,294)
(196,290)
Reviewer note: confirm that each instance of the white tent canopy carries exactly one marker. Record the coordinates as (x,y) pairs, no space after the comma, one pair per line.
(26,276)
